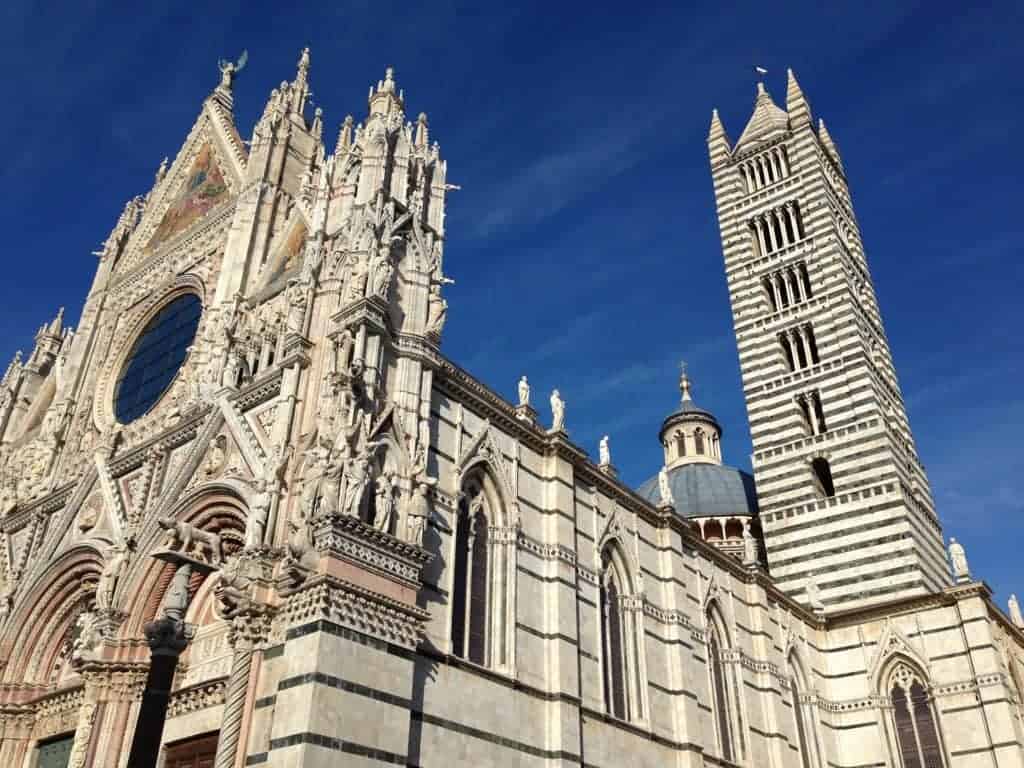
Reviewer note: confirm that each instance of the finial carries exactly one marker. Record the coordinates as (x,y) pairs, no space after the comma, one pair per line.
(344,135)
(389,79)
(161,171)
(684,381)
(422,138)
(304,59)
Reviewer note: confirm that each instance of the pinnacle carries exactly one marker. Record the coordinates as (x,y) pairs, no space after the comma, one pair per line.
(716,132)
(796,102)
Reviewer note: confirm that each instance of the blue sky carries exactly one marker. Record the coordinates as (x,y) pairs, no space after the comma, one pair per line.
(583,242)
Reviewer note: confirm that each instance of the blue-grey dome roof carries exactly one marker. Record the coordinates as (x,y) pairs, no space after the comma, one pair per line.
(702,490)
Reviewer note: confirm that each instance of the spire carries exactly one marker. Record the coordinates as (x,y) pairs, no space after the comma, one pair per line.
(344,136)
(301,84)
(386,98)
(718,141)
(422,134)
(796,103)
(766,122)
(56,327)
(684,384)
(826,141)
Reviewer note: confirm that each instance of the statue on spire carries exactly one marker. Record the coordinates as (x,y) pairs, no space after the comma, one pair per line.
(228,70)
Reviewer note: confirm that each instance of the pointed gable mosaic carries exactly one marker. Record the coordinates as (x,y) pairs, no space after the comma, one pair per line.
(203,190)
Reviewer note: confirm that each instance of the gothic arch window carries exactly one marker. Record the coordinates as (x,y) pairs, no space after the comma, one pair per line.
(724,703)
(823,476)
(914,723)
(698,441)
(621,636)
(803,714)
(482,610)
(680,444)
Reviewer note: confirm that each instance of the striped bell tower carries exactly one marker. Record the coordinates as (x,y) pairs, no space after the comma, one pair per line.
(847,512)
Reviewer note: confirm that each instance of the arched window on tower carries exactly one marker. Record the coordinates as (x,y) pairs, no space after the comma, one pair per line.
(698,441)
(805,279)
(766,284)
(620,639)
(914,719)
(823,476)
(481,585)
(728,726)
(680,444)
(787,351)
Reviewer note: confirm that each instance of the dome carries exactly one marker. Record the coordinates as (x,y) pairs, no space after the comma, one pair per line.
(706,490)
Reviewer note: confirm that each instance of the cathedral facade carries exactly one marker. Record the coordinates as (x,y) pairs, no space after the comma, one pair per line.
(251,515)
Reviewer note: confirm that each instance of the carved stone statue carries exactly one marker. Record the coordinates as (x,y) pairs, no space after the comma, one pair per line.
(233,368)
(437,310)
(605,452)
(117,563)
(312,478)
(296,298)
(259,512)
(958,558)
(664,488)
(176,597)
(382,271)
(749,547)
(557,412)
(233,590)
(191,541)
(88,638)
(385,502)
(524,391)
(357,277)
(1015,617)
(357,479)
(813,594)
(417,514)
(300,542)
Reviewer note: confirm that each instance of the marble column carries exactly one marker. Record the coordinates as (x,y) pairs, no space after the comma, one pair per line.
(167,636)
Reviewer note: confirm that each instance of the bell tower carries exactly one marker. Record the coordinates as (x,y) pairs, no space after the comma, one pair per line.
(847,512)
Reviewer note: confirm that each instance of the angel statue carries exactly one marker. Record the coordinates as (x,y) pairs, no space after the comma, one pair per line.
(228,69)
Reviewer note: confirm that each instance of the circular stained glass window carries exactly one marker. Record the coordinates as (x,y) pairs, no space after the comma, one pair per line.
(156,357)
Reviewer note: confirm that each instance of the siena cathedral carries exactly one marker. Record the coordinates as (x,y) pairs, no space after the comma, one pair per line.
(251,515)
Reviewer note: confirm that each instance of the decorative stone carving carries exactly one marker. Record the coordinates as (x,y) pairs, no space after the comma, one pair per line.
(524,391)
(557,412)
(1015,615)
(88,639)
(384,507)
(664,488)
(958,559)
(191,542)
(749,547)
(437,311)
(604,452)
(118,558)
(813,594)
(417,514)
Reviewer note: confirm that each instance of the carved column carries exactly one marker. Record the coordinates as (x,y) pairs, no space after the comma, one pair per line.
(239,595)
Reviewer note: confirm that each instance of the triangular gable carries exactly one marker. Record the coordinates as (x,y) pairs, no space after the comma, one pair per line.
(206,174)
(203,189)
(893,643)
